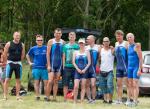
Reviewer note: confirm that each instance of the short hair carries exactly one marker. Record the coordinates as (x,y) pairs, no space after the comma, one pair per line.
(58,29)
(17,32)
(130,34)
(38,35)
(119,31)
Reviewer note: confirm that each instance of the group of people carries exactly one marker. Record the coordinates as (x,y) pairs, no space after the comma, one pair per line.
(78,63)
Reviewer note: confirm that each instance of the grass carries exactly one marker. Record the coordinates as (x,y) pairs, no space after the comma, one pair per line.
(30,103)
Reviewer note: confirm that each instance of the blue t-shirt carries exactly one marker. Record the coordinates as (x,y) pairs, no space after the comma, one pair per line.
(38,55)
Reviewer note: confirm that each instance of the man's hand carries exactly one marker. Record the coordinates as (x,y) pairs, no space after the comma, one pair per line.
(48,68)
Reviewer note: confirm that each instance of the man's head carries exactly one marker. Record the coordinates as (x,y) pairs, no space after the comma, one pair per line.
(72,37)
(90,39)
(39,40)
(119,35)
(57,33)
(17,36)
(106,42)
(130,37)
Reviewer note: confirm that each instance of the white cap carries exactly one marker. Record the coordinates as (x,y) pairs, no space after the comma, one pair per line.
(81,40)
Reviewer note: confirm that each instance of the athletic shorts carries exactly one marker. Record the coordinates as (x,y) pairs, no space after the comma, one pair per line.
(17,68)
(68,74)
(106,83)
(80,76)
(56,69)
(40,74)
(132,72)
(91,73)
(2,74)
(121,73)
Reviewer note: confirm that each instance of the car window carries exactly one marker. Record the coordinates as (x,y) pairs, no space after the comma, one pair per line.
(147,59)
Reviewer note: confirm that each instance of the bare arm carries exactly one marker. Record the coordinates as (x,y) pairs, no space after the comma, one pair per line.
(48,54)
(5,54)
(23,52)
(139,53)
(28,59)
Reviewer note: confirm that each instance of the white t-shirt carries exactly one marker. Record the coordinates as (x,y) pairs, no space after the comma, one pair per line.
(107,60)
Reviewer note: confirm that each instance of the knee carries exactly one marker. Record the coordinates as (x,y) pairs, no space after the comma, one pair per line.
(76,87)
(119,85)
(93,86)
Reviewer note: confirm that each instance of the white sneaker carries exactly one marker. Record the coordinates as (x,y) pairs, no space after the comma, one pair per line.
(127,102)
(117,102)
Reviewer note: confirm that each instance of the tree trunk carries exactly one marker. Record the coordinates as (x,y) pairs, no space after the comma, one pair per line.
(86,13)
(149,36)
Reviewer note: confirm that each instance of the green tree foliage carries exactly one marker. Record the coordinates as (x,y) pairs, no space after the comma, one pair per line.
(42,16)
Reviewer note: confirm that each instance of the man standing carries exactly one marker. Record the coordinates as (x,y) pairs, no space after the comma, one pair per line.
(94,54)
(121,67)
(38,63)
(69,70)
(54,62)
(106,74)
(134,67)
(14,52)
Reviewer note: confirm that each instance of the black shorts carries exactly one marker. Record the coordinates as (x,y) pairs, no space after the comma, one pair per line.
(68,74)
(17,68)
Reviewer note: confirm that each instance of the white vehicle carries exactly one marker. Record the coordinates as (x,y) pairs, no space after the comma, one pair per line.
(144,81)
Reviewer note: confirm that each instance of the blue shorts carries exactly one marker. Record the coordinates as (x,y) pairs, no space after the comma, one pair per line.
(91,73)
(121,73)
(17,68)
(80,76)
(132,72)
(106,83)
(56,69)
(40,74)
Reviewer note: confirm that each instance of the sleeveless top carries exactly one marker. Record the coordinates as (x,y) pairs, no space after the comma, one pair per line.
(56,53)
(81,60)
(107,60)
(15,51)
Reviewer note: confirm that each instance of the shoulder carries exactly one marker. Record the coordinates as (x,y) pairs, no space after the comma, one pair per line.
(7,44)
(138,46)
(50,42)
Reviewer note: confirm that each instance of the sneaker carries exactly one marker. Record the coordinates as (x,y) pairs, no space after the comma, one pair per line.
(46,99)
(110,102)
(117,102)
(134,104)
(104,101)
(90,101)
(4,99)
(127,102)
(37,98)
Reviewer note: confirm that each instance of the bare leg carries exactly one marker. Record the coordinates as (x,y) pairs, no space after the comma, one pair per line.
(55,86)
(6,84)
(93,86)
(76,87)
(49,84)
(88,91)
(119,90)
(36,87)
(83,83)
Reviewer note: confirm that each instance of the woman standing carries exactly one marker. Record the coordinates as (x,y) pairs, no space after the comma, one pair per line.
(81,62)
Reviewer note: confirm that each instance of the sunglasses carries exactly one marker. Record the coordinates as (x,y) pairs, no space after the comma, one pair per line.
(105,41)
(39,40)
